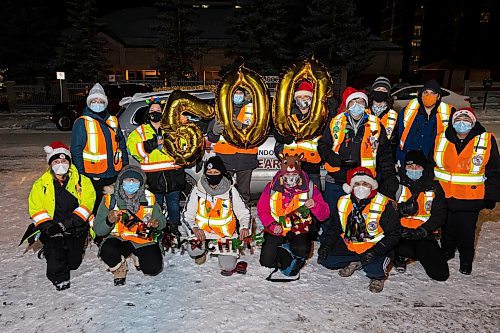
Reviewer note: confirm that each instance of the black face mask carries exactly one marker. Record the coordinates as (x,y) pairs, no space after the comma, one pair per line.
(214,179)
(155,116)
(380,96)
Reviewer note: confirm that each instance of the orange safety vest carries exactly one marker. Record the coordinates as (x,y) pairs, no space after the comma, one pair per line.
(246,117)
(278,209)
(424,201)
(462,175)
(130,234)
(218,218)
(369,146)
(389,121)
(308,147)
(95,154)
(410,112)
(160,161)
(372,214)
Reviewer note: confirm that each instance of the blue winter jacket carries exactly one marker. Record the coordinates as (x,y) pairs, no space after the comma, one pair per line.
(79,140)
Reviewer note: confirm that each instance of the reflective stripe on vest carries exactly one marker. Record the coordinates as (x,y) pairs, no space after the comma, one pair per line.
(424,201)
(218,219)
(372,214)
(140,145)
(245,116)
(389,121)
(410,112)
(120,230)
(95,154)
(462,175)
(309,148)
(368,152)
(278,211)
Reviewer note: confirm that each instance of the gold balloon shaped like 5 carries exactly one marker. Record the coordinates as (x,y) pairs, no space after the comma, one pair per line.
(253,135)
(312,125)
(184,142)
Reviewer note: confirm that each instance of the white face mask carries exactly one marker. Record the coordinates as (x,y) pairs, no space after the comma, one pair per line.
(362,192)
(60,169)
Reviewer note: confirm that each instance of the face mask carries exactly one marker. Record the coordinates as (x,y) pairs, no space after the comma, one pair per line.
(303,103)
(462,127)
(60,169)
(131,187)
(380,96)
(378,109)
(356,110)
(214,179)
(97,107)
(429,100)
(155,116)
(362,192)
(414,174)
(291,180)
(238,99)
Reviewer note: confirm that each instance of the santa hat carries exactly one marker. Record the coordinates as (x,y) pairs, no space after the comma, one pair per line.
(305,89)
(348,95)
(356,175)
(97,91)
(57,150)
(465,112)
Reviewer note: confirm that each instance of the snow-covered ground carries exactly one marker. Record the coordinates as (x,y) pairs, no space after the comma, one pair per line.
(190,298)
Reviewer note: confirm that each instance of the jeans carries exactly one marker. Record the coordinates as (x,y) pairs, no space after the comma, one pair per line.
(173,207)
(377,269)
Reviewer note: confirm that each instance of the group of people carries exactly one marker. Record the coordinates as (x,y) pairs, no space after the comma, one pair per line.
(396,182)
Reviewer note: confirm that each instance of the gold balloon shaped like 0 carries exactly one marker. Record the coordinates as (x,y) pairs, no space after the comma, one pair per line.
(184,142)
(312,125)
(253,135)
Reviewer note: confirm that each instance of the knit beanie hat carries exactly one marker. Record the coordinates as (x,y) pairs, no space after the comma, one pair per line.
(57,150)
(382,81)
(97,91)
(467,112)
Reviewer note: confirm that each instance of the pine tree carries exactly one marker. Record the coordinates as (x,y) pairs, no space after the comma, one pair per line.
(82,55)
(261,31)
(179,41)
(334,34)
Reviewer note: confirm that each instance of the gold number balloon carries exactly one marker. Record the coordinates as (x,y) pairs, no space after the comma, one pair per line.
(312,125)
(256,133)
(184,142)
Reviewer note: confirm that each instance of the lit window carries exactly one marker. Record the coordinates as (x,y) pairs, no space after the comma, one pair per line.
(417,30)
(205,6)
(415,42)
(485,17)
(238,7)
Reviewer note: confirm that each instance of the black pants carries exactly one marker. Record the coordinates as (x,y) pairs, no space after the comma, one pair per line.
(98,187)
(243,179)
(428,252)
(300,245)
(459,232)
(63,254)
(150,257)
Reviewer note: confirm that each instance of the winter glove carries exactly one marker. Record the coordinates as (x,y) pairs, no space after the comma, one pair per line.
(51,229)
(414,234)
(408,208)
(489,204)
(150,145)
(275,229)
(349,163)
(367,257)
(72,222)
(323,253)
(218,127)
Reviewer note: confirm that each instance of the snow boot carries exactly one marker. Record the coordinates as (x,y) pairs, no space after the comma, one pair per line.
(136,262)
(62,285)
(350,269)
(465,268)
(120,272)
(376,286)
(400,264)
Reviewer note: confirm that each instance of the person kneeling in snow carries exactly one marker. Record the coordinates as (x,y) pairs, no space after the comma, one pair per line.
(130,219)
(364,231)
(284,210)
(210,213)
(60,204)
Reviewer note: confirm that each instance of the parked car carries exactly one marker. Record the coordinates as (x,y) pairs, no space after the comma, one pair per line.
(65,114)
(133,114)
(404,95)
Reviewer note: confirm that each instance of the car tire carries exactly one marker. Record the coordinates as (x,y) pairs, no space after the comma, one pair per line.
(64,123)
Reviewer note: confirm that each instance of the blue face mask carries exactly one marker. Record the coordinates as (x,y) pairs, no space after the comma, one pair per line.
(238,99)
(414,174)
(131,187)
(97,107)
(356,110)
(462,127)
